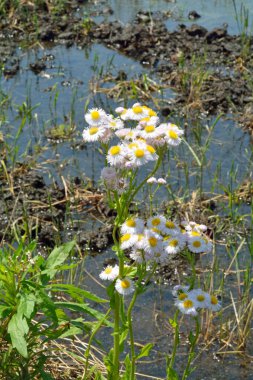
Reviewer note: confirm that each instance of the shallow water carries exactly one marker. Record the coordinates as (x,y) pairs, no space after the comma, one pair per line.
(213,12)
(63,89)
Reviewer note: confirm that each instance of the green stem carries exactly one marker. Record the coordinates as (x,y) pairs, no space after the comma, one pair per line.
(131,334)
(191,352)
(87,352)
(175,345)
(116,337)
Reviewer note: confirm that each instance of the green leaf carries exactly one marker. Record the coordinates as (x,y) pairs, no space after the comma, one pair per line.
(26,305)
(145,351)
(76,293)
(173,323)
(172,374)
(84,308)
(18,328)
(57,257)
(191,338)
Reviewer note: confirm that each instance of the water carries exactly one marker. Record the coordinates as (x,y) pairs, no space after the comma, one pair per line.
(214,13)
(63,90)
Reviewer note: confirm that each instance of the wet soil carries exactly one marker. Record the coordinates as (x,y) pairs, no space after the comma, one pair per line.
(210,71)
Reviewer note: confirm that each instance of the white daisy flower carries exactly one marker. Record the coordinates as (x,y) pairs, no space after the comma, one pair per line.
(110,273)
(152,120)
(197,244)
(124,286)
(115,123)
(177,289)
(137,113)
(160,257)
(127,134)
(149,112)
(172,134)
(138,255)
(116,155)
(140,243)
(95,116)
(128,240)
(156,221)
(119,110)
(171,228)
(152,242)
(149,132)
(94,133)
(174,244)
(187,307)
(132,225)
(140,155)
(200,298)
(214,304)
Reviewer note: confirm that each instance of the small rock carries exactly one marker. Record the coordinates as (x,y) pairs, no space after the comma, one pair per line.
(215,34)
(37,67)
(66,36)
(196,30)
(193,15)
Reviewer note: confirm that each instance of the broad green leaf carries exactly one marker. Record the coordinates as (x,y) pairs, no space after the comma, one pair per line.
(57,257)
(76,292)
(145,351)
(18,328)
(26,305)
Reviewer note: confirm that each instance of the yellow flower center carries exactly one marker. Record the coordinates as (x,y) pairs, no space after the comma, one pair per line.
(95,115)
(115,150)
(201,298)
(108,270)
(140,237)
(214,300)
(152,241)
(156,230)
(151,112)
(137,109)
(149,128)
(182,296)
(156,222)
(125,237)
(125,284)
(173,135)
(188,304)
(93,130)
(195,233)
(150,149)
(196,244)
(145,118)
(169,224)
(173,243)
(130,223)
(132,145)
(139,153)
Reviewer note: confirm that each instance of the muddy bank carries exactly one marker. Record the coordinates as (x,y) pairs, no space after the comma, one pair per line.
(209,70)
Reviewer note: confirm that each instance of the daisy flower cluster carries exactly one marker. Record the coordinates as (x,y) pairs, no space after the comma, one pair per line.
(137,145)
(158,237)
(191,301)
(124,286)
